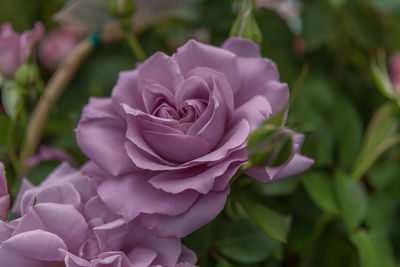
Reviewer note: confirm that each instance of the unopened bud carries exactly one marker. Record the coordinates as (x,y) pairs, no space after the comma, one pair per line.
(245,24)
(27,73)
(270,145)
(389,86)
(121,8)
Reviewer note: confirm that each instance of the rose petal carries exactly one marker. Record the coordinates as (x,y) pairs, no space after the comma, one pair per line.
(260,76)
(111,236)
(101,136)
(242,47)
(166,146)
(194,54)
(140,257)
(63,220)
(136,195)
(206,208)
(199,178)
(31,249)
(126,92)
(255,111)
(194,87)
(162,69)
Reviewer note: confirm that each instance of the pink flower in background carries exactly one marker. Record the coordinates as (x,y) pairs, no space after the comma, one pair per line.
(164,147)
(15,48)
(394,71)
(4,196)
(57,45)
(65,222)
(50,153)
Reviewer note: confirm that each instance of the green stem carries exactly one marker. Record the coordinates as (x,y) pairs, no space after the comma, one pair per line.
(316,232)
(135,46)
(12,152)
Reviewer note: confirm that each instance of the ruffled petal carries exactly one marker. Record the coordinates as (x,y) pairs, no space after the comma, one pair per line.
(194,54)
(136,195)
(101,136)
(33,248)
(63,220)
(206,208)
(242,47)
(260,76)
(161,69)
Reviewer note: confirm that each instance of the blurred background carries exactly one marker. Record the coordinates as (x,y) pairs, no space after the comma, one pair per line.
(324,50)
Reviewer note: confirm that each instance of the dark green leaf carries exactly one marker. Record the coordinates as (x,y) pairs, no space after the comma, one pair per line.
(366,249)
(274,224)
(320,188)
(245,242)
(317,13)
(352,200)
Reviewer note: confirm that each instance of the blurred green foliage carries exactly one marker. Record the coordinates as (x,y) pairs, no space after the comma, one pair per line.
(320,218)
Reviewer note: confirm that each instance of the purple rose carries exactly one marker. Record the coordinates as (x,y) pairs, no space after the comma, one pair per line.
(15,48)
(394,71)
(4,196)
(64,223)
(175,131)
(57,45)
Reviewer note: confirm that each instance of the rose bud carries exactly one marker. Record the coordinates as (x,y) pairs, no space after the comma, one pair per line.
(15,48)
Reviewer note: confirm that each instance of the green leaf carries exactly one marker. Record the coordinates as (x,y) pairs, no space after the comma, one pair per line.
(384,249)
(11,96)
(352,200)
(366,249)
(321,14)
(223,263)
(282,187)
(380,219)
(383,174)
(349,143)
(320,188)
(245,242)
(274,224)
(337,3)
(245,24)
(379,136)
(386,5)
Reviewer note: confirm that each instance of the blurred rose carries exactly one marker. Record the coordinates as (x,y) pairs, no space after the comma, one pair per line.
(175,131)
(65,222)
(57,45)
(4,196)
(394,71)
(15,48)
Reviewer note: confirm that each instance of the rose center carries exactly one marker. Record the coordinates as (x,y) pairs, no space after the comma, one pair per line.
(189,111)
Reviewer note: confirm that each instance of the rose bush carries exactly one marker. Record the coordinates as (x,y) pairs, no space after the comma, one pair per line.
(15,48)
(64,223)
(174,133)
